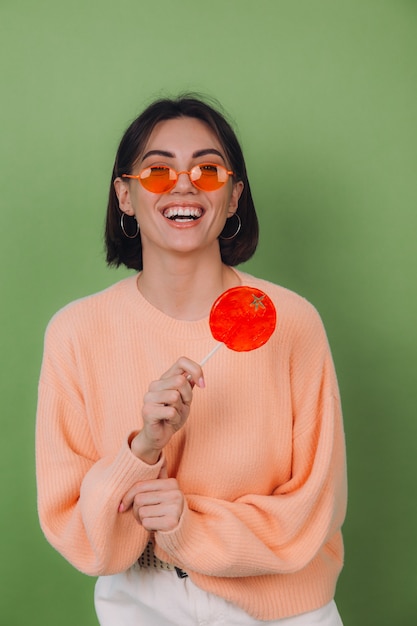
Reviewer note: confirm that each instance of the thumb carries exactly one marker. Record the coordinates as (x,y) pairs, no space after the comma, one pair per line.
(163,473)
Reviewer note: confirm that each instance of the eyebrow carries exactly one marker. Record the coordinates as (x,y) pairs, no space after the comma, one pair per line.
(171,155)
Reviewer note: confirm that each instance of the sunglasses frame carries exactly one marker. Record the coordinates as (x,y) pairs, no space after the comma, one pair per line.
(177,175)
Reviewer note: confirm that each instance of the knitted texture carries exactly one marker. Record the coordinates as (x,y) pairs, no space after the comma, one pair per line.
(261,459)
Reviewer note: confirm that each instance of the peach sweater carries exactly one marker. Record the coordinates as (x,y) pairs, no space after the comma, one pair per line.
(261,459)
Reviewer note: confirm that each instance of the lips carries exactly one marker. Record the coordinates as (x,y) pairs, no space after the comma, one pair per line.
(185,213)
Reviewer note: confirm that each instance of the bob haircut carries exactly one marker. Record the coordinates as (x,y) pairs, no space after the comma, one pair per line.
(128,251)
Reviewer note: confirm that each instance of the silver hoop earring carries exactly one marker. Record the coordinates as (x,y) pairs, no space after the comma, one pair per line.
(122,226)
(239,226)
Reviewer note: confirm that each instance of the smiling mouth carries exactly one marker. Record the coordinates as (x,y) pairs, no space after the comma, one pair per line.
(183,214)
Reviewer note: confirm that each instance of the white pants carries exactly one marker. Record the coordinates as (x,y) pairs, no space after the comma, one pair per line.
(155,597)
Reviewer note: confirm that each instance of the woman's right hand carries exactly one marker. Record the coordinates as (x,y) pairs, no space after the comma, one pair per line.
(166,407)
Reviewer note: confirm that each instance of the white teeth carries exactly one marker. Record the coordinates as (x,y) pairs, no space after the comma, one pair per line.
(182,212)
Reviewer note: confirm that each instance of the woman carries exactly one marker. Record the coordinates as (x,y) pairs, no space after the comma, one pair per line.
(211,497)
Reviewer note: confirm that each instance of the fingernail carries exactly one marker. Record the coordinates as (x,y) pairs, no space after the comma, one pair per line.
(201,383)
(121,507)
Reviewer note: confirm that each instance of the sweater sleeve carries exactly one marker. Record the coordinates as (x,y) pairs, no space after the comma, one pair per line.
(78,492)
(283,531)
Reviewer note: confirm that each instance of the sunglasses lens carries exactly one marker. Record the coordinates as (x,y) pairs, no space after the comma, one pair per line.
(158,179)
(205,176)
(208,176)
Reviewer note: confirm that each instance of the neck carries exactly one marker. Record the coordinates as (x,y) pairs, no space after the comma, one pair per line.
(185,288)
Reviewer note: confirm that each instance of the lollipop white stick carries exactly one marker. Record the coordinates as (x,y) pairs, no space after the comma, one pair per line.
(210,354)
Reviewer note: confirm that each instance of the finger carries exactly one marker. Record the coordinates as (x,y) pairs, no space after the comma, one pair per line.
(127,500)
(155,503)
(174,392)
(157,515)
(158,486)
(156,417)
(164,523)
(144,487)
(189,369)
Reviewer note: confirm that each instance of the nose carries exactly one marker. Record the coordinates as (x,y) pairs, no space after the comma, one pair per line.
(184,184)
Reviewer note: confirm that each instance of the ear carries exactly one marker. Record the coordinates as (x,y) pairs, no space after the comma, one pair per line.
(234,198)
(122,190)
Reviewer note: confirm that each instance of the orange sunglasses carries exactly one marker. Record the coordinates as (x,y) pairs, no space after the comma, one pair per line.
(161,178)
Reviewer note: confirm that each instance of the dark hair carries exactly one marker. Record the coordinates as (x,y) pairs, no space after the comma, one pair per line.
(123,250)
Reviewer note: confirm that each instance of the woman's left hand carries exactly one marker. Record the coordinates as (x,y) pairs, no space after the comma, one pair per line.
(156,504)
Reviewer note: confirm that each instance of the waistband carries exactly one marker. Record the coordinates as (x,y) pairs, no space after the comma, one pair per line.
(149,559)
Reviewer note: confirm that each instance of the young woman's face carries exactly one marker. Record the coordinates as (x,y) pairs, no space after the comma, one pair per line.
(185,218)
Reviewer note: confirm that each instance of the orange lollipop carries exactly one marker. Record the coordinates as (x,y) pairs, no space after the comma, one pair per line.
(242,318)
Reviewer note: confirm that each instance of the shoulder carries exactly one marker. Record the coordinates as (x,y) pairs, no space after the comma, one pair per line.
(300,332)
(90,312)
(299,325)
(289,304)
